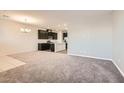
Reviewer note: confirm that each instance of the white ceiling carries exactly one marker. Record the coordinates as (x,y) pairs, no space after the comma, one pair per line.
(51,17)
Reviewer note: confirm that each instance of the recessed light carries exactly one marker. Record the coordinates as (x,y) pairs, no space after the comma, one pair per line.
(65,24)
(59,25)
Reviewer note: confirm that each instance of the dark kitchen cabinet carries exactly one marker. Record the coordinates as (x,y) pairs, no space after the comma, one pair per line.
(45,34)
(46,46)
(42,34)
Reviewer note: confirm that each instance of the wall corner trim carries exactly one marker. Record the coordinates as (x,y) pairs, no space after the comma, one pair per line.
(122,73)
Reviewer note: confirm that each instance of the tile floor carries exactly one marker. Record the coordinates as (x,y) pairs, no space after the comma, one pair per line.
(7,63)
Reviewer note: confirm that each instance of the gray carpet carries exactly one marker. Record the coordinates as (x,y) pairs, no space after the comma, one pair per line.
(61,68)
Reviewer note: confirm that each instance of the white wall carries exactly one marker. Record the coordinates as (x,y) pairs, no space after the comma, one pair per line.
(12,40)
(118,39)
(91,36)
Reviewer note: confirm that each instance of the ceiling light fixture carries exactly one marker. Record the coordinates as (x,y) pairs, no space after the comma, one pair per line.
(25,29)
(3,15)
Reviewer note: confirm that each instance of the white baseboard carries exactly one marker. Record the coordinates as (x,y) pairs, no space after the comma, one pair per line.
(91,57)
(122,73)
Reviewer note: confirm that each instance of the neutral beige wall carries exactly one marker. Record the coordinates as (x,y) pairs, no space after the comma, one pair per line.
(12,40)
(88,35)
(91,36)
(118,39)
